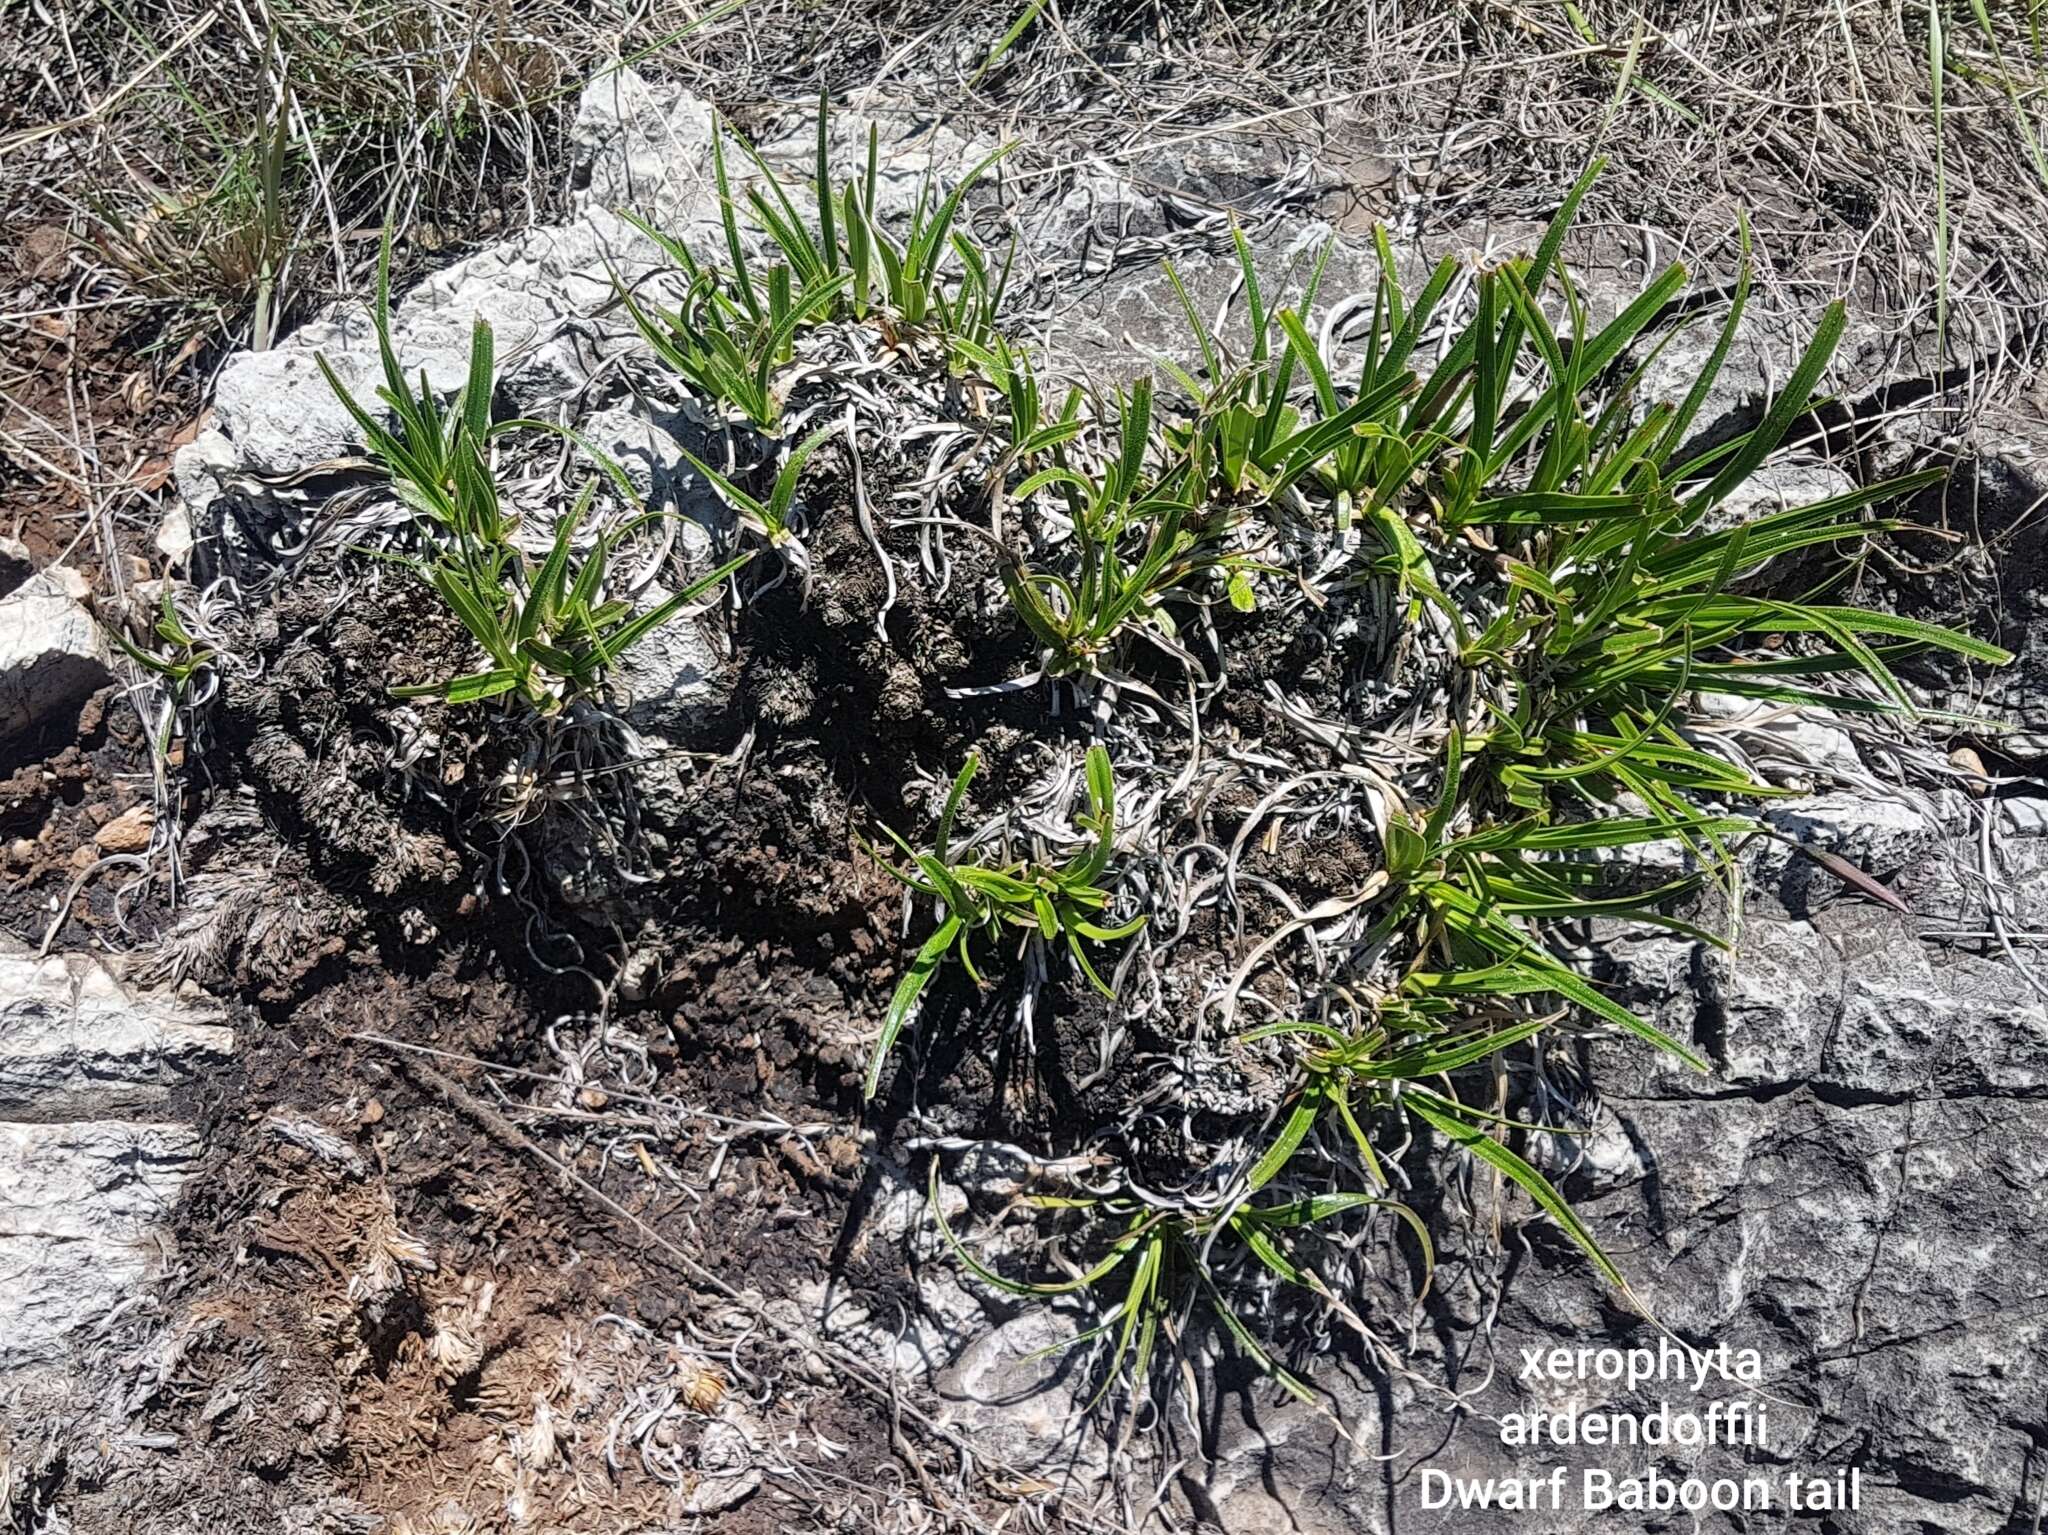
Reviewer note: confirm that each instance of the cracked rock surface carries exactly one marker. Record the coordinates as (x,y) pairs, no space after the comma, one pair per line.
(1859,1193)
(90,1163)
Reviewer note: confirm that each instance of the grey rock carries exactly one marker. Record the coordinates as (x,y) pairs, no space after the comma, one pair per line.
(1022,1391)
(1920,1023)
(1005,1375)
(1846,1001)
(1870,1252)
(1880,834)
(645,147)
(648,448)
(669,680)
(1113,325)
(203,472)
(2024,816)
(78,1205)
(1095,221)
(277,418)
(52,652)
(174,536)
(75,1040)
(1244,172)
(1856,1192)
(1778,998)
(84,1190)
(277,408)
(1792,748)
(1779,486)
(912,159)
(1882,1258)
(282,417)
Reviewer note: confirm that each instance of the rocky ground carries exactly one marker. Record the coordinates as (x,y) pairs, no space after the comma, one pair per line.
(355,1189)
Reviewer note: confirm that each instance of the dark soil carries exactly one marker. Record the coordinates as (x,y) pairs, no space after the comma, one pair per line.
(57,799)
(354,870)
(290,1387)
(337,899)
(91,412)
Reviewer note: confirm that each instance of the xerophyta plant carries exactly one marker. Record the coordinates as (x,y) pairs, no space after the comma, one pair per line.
(736,325)
(1404,1061)
(902,282)
(772,521)
(1618,594)
(1557,564)
(727,351)
(1136,543)
(1161,1259)
(979,902)
(179,678)
(173,656)
(549,632)
(1242,414)
(436,458)
(1480,902)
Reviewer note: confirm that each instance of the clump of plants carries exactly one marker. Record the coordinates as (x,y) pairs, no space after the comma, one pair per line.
(1036,901)
(549,632)
(737,322)
(1564,583)
(1467,491)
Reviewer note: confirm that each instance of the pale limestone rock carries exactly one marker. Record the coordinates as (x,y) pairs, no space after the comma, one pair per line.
(52,651)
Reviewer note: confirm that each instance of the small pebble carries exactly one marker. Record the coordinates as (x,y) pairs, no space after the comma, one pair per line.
(1966,761)
(128,832)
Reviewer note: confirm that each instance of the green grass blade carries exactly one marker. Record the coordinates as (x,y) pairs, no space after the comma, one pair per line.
(828,234)
(726,215)
(476,392)
(1008,41)
(1307,1109)
(908,990)
(1793,401)
(1442,1115)
(1696,397)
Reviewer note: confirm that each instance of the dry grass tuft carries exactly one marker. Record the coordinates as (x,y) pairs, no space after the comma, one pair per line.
(228,159)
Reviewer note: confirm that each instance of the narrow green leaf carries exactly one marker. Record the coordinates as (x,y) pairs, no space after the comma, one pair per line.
(908,990)
(1445,1117)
